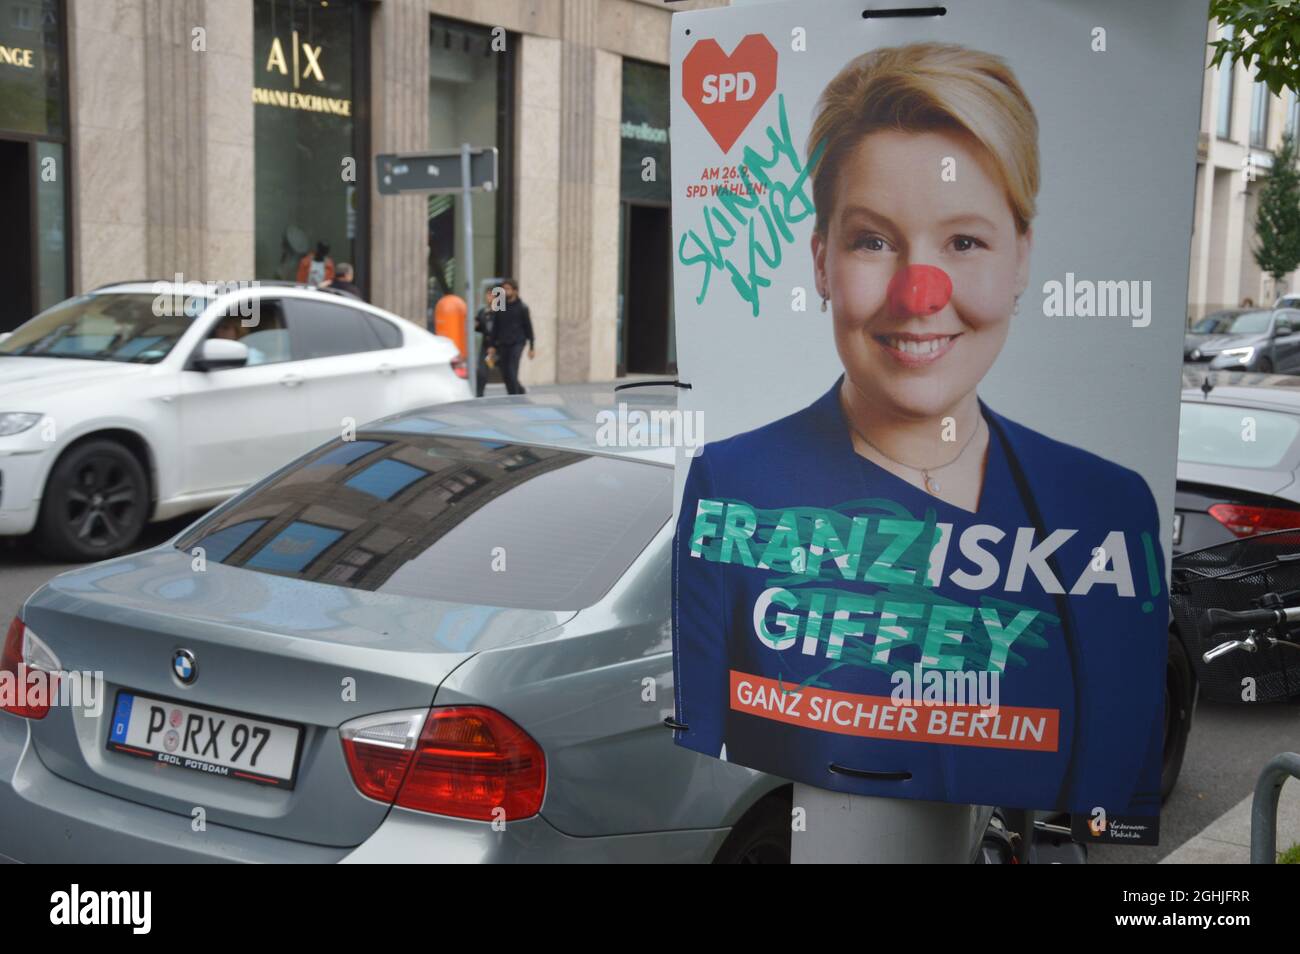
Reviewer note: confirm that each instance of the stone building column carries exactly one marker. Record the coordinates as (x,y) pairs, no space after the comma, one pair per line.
(1201,240)
(226,164)
(537,192)
(576,200)
(199,197)
(399,98)
(162,135)
(602,291)
(107,127)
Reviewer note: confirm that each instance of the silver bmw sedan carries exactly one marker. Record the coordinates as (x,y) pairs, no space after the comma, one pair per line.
(447,639)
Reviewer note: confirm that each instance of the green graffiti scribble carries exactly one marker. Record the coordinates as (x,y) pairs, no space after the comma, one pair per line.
(774,203)
(1153,575)
(854,549)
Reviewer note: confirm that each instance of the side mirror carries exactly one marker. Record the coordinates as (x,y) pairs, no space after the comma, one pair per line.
(218,353)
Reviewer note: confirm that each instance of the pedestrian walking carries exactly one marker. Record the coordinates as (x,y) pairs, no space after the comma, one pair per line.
(486,352)
(512,328)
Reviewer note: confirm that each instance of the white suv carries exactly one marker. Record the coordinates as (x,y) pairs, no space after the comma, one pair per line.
(145,400)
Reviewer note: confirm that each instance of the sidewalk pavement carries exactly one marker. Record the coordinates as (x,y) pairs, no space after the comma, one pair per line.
(1226,840)
(499,390)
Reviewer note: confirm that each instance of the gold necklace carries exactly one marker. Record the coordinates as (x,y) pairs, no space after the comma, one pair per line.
(927,473)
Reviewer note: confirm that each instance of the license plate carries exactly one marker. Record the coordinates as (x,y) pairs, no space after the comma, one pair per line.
(213,741)
(1178,528)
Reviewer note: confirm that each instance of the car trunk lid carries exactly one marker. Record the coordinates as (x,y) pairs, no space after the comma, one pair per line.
(268,647)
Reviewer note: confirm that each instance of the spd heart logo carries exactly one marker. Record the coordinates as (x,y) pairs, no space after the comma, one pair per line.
(726,92)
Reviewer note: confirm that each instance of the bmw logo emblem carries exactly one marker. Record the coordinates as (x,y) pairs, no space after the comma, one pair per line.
(184,666)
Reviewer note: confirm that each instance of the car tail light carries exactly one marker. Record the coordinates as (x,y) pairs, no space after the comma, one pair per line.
(22,656)
(378,749)
(459,366)
(1246,521)
(463,761)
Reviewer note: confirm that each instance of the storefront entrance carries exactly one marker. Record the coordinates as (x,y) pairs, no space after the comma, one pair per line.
(15,234)
(647,297)
(645,314)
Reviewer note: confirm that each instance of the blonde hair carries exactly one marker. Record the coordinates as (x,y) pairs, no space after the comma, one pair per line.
(921,87)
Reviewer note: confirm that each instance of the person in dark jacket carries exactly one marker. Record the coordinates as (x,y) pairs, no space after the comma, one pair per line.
(512,327)
(345,281)
(487,357)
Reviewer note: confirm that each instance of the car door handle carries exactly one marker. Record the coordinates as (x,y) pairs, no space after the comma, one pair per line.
(290,381)
(386,369)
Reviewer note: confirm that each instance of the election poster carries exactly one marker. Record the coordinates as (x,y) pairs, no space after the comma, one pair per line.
(930,279)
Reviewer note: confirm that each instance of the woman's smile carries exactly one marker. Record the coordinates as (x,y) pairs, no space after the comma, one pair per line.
(916,351)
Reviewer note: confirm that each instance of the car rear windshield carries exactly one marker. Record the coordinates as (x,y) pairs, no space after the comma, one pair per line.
(474,521)
(140,328)
(1235,436)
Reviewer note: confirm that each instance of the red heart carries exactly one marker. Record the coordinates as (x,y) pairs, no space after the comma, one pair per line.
(737,86)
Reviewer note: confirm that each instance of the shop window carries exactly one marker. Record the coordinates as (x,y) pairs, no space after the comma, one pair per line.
(34,176)
(307,113)
(1259,116)
(31,68)
(644,131)
(1224,121)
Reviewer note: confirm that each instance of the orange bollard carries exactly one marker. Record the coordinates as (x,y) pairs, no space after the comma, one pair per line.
(449,320)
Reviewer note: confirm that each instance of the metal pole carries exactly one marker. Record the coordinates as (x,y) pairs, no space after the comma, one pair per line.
(471,300)
(857,829)
(1263,807)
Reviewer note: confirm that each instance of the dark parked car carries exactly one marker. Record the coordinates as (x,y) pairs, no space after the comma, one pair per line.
(1238,456)
(1264,340)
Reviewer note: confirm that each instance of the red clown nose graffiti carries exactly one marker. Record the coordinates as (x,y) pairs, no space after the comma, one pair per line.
(918,290)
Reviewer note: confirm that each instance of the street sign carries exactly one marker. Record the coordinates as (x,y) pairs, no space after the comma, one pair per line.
(435,172)
(467,170)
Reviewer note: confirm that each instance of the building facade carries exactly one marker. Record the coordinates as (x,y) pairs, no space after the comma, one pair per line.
(1242,124)
(229,140)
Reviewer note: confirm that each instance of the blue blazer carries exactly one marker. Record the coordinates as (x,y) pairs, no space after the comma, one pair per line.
(1103,668)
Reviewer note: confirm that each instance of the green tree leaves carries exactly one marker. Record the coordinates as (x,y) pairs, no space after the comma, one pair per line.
(1277,221)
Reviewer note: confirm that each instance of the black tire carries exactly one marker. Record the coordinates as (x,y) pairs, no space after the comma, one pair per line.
(1264,366)
(762,837)
(1180,695)
(95,504)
